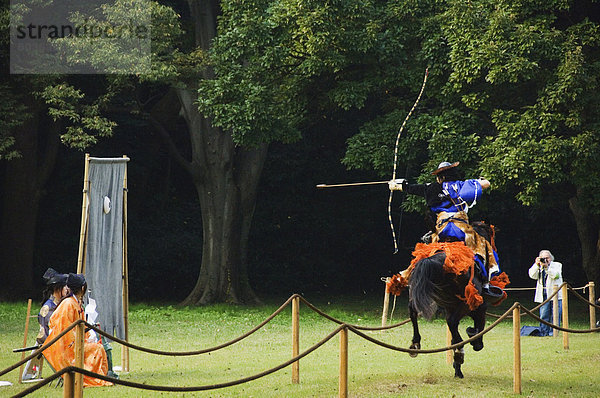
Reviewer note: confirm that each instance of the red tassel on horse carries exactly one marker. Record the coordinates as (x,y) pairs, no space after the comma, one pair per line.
(500,280)
(472,297)
(396,284)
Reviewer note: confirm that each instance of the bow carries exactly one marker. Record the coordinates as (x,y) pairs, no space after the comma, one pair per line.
(396,160)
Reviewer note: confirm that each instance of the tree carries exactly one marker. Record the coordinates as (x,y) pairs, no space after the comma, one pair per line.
(275,62)
(532,71)
(49,111)
(253,66)
(37,113)
(512,96)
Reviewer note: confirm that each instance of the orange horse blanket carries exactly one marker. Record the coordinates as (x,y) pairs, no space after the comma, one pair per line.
(459,260)
(62,353)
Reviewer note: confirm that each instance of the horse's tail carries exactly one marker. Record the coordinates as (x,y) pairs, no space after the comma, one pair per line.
(422,287)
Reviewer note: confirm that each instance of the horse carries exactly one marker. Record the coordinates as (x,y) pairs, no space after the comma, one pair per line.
(430,287)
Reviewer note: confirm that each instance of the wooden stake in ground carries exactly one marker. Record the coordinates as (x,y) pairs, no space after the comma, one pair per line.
(295,339)
(591,298)
(343,363)
(25,339)
(555,311)
(565,315)
(517,349)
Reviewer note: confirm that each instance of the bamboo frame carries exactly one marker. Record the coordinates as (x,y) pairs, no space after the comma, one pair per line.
(83,235)
(295,339)
(125,349)
(84,217)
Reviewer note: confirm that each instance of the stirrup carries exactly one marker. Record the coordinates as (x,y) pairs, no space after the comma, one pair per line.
(492,294)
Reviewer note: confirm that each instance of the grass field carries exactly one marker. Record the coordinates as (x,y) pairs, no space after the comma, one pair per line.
(548,369)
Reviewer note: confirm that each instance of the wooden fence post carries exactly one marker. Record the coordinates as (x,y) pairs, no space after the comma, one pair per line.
(69,385)
(295,339)
(79,351)
(565,316)
(517,349)
(386,303)
(592,298)
(555,320)
(25,339)
(343,363)
(449,354)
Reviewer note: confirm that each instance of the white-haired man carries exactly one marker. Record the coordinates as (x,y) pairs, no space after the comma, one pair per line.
(547,273)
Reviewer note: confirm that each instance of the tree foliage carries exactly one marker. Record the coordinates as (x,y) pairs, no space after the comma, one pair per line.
(269,56)
(512,96)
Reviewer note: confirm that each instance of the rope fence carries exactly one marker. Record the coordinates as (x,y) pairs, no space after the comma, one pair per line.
(516,311)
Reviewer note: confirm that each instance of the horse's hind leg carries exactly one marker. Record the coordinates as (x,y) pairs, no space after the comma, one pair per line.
(458,360)
(459,353)
(416,339)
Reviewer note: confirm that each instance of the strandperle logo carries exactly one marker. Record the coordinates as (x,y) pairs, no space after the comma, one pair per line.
(80,37)
(86,30)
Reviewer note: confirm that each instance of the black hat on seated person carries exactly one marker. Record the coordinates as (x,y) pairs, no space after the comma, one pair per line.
(76,281)
(53,277)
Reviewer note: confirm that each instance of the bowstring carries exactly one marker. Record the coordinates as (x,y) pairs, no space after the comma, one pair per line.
(396,160)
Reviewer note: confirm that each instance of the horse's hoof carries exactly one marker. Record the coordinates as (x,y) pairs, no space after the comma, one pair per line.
(457,372)
(477,345)
(414,346)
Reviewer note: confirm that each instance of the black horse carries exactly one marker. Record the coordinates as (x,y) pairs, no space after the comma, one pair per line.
(431,287)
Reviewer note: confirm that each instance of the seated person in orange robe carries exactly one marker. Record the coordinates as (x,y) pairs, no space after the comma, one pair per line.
(62,353)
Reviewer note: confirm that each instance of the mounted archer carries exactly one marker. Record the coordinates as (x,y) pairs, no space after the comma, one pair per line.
(449,200)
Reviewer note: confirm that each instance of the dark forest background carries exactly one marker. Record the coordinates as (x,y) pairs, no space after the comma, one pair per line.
(303,239)
(310,88)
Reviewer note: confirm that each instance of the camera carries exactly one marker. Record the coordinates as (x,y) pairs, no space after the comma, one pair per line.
(543,260)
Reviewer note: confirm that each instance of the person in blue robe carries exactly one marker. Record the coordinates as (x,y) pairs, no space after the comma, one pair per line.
(449,199)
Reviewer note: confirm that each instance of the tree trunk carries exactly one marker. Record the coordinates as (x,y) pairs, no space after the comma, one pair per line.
(588,229)
(226,179)
(24,180)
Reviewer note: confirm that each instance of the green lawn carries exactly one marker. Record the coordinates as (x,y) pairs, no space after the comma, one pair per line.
(548,369)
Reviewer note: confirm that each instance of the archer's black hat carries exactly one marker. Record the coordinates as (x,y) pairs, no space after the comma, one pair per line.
(75,281)
(52,277)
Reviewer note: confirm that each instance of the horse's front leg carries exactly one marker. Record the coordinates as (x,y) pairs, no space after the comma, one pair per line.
(416,339)
(453,320)
(479,321)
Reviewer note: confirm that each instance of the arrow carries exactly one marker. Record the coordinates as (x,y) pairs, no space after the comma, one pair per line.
(352,184)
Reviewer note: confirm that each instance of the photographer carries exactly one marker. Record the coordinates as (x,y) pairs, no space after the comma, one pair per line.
(547,273)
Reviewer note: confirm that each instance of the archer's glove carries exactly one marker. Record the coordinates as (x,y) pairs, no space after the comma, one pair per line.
(396,185)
